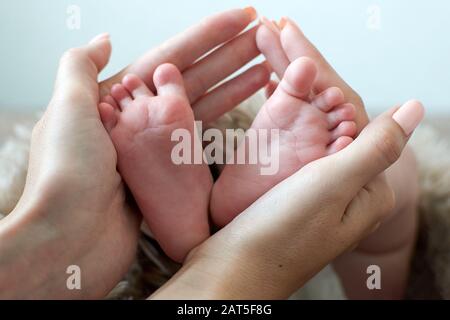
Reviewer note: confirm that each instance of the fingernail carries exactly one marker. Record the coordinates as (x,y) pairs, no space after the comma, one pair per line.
(269,24)
(99,37)
(275,23)
(251,12)
(282,23)
(409,116)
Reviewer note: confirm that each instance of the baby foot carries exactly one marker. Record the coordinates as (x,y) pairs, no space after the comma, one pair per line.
(173,198)
(310,127)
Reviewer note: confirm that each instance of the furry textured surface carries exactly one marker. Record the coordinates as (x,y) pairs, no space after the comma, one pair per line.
(13,166)
(431,266)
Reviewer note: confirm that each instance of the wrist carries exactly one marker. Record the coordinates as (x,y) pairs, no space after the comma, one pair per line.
(33,262)
(201,277)
(223,272)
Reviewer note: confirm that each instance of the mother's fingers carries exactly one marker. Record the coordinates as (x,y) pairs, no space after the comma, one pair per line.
(78,72)
(185,48)
(268,42)
(190,45)
(228,95)
(220,64)
(295,44)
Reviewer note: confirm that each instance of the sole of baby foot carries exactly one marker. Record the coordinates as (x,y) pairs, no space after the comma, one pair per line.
(173,197)
(309,127)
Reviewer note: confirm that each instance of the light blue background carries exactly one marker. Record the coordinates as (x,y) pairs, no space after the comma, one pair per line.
(409,56)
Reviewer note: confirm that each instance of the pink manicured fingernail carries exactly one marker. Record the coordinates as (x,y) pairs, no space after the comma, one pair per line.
(409,116)
(251,12)
(100,37)
(282,23)
(269,24)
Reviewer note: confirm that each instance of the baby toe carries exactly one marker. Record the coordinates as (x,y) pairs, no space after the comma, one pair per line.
(121,95)
(328,99)
(345,128)
(343,112)
(136,86)
(108,115)
(339,144)
(111,101)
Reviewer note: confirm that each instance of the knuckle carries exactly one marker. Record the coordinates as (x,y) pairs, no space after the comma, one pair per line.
(388,202)
(384,198)
(213,23)
(70,94)
(387,146)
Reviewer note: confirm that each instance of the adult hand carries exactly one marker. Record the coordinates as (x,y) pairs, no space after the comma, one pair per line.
(302,224)
(281,44)
(391,250)
(202,68)
(73,209)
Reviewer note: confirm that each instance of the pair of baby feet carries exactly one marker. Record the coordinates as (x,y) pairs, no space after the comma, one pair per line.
(176,199)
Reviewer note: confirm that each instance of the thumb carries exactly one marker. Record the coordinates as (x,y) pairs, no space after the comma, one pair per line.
(79,68)
(378,146)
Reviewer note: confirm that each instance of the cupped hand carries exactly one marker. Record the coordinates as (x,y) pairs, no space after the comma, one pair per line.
(73,210)
(206,54)
(302,224)
(284,42)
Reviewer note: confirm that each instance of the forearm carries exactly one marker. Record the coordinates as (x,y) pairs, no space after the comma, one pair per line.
(222,279)
(241,269)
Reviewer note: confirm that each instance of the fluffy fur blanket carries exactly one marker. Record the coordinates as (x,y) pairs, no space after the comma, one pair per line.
(431,266)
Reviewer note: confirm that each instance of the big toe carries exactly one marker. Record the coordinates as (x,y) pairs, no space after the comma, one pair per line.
(299,78)
(172,96)
(169,81)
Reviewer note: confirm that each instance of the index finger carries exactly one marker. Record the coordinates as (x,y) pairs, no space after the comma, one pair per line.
(188,46)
